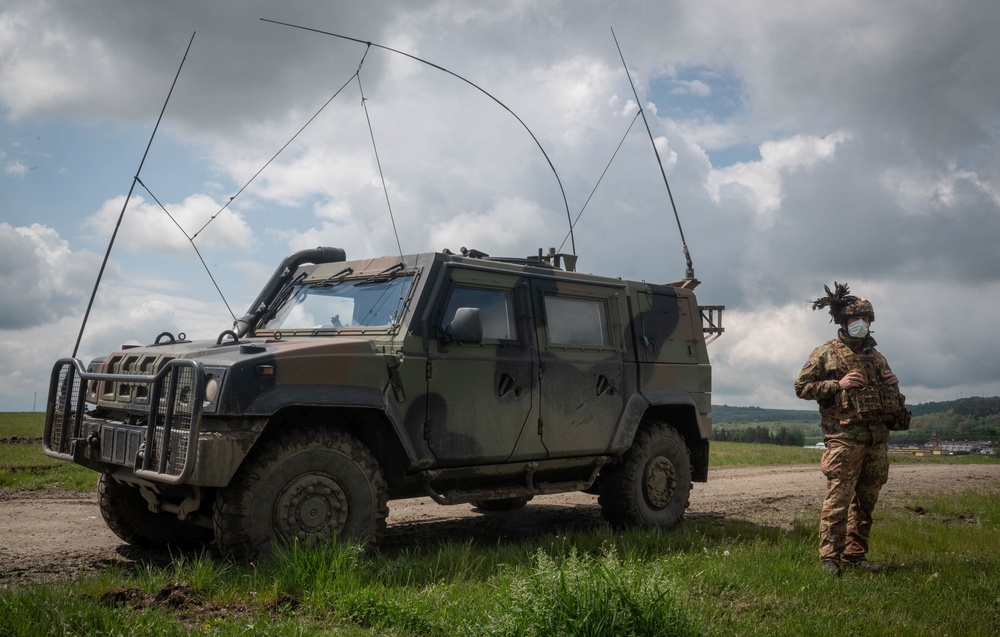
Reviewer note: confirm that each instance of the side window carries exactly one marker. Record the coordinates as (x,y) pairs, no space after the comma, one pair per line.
(577,321)
(496,308)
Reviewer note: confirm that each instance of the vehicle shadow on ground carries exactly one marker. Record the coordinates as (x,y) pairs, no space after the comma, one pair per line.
(538,521)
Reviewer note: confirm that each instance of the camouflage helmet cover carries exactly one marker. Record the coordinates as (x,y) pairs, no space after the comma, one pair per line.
(843,305)
(860,307)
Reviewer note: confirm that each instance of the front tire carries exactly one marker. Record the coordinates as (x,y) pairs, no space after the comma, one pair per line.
(128,516)
(306,484)
(651,484)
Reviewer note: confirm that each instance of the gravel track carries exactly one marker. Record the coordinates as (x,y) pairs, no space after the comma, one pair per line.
(46,536)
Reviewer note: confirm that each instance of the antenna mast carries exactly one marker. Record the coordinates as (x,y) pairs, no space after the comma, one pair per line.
(128,197)
(689,273)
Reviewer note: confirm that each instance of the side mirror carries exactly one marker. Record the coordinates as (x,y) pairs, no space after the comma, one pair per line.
(467,326)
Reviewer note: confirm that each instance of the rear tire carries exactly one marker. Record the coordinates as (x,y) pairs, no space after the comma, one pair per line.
(306,484)
(651,484)
(128,516)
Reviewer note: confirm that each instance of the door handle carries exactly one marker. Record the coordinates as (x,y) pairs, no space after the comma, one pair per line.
(604,386)
(506,385)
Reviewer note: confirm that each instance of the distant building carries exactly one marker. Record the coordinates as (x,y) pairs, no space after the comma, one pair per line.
(961,446)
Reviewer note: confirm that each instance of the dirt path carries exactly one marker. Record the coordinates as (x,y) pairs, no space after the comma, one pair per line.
(46,536)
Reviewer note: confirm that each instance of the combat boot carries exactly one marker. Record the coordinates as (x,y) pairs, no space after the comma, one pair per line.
(831,566)
(865,565)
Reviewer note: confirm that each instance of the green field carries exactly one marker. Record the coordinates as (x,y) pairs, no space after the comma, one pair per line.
(727,577)
(703,578)
(21,424)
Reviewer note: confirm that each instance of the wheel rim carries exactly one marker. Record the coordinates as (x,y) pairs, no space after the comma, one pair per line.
(311,507)
(659,482)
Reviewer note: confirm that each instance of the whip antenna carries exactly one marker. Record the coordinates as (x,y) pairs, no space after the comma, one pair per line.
(121,215)
(689,274)
(569,216)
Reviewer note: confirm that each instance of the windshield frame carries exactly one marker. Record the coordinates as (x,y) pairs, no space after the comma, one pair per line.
(397,289)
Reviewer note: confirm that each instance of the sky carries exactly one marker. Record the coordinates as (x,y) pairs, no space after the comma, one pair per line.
(803,142)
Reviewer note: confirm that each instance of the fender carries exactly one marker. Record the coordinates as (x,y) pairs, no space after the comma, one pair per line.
(272,399)
(637,406)
(276,398)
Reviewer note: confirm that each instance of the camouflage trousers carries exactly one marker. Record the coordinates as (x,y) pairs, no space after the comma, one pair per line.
(855,472)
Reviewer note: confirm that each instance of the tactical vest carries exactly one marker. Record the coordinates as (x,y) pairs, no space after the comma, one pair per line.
(873,402)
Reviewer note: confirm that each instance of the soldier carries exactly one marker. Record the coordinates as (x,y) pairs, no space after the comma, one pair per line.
(859,402)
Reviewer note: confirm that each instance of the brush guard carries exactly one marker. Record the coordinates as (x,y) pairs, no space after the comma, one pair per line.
(161,449)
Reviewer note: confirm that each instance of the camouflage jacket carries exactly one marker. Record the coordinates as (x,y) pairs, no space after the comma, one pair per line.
(853,414)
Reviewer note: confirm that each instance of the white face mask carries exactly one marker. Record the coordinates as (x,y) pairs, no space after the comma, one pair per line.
(857,329)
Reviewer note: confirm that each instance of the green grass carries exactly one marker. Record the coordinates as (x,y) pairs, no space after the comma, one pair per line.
(706,578)
(701,578)
(21,424)
(741,454)
(25,467)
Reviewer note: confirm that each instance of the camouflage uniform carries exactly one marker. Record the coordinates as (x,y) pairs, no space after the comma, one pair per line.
(856,462)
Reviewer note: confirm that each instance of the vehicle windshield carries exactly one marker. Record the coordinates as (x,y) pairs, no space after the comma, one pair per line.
(372,302)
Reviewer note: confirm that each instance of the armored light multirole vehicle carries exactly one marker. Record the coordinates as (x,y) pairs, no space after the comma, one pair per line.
(347,384)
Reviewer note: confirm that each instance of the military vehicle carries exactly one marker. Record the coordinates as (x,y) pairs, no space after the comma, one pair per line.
(465,378)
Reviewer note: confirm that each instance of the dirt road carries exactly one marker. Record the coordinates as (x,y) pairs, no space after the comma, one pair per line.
(47,536)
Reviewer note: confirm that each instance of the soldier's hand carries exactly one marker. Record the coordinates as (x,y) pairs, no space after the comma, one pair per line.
(889,378)
(852,379)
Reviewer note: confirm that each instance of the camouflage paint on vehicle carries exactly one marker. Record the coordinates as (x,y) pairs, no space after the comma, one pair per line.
(467,379)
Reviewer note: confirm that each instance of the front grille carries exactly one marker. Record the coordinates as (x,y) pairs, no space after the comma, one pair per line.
(166,409)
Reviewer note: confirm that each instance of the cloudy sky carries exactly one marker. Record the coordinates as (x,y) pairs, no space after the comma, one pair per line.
(804,142)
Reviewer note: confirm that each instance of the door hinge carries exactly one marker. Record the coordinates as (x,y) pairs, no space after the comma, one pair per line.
(428,374)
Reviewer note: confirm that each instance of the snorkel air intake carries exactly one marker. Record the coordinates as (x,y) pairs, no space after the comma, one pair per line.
(282,276)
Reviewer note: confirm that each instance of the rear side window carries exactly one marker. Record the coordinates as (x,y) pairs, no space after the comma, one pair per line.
(573,321)
(496,308)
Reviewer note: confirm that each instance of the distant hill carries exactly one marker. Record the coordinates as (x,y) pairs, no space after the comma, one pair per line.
(726,415)
(970,418)
(972,406)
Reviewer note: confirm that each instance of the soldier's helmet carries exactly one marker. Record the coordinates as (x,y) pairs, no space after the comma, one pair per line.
(859,307)
(843,305)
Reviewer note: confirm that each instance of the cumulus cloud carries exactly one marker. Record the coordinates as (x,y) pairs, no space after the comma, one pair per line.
(41,278)
(691,87)
(803,142)
(761,182)
(148,229)
(502,229)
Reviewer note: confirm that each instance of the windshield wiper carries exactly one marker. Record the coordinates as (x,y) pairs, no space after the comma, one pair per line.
(384,275)
(329,282)
(281,298)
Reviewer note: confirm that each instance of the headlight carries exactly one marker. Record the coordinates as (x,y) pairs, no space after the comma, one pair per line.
(211,389)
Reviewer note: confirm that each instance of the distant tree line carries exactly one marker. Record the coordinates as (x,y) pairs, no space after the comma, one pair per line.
(725,414)
(761,435)
(973,418)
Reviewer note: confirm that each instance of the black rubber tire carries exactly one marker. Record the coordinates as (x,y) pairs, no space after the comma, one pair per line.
(128,516)
(308,484)
(501,504)
(651,484)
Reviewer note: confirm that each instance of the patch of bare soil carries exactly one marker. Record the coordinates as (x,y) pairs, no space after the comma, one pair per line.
(47,536)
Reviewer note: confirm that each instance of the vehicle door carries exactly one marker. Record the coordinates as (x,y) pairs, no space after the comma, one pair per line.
(580,348)
(481,390)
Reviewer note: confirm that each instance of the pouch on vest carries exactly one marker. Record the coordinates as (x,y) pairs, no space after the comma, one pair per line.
(875,401)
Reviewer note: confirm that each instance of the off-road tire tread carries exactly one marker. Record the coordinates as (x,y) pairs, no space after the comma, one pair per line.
(127,515)
(620,496)
(232,504)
